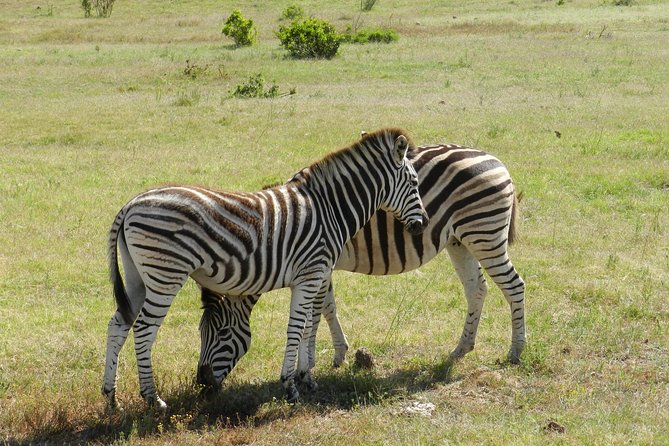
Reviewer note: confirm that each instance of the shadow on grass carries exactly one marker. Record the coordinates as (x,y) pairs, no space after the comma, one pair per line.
(241,404)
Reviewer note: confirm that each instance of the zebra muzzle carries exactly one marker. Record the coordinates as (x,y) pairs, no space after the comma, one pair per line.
(205,376)
(417,226)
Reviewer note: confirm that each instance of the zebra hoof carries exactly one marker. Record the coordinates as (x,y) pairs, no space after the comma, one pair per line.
(459,352)
(112,405)
(292,395)
(339,357)
(311,383)
(157,404)
(307,379)
(514,353)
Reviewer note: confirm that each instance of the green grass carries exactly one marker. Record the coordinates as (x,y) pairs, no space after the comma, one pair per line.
(93,111)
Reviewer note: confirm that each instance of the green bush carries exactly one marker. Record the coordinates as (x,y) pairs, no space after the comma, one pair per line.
(310,38)
(292,12)
(379,35)
(104,7)
(367,5)
(194,70)
(240,29)
(86,6)
(255,88)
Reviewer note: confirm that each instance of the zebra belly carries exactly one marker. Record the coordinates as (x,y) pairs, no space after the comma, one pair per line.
(237,279)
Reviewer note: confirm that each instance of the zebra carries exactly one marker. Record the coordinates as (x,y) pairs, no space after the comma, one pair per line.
(243,243)
(471,205)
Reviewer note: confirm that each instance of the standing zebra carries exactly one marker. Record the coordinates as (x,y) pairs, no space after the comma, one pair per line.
(250,243)
(471,204)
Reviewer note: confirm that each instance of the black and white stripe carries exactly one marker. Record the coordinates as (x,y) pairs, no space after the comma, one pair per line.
(241,243)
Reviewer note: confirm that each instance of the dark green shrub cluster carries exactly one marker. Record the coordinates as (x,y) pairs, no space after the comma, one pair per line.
(86,6)
(240,29)
(310,38)
(103,8)
(255,88)
(367,5)
(379,35)
(194,70)
(292,12)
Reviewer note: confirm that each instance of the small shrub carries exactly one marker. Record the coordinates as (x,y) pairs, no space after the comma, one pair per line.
(293,12)
(194,70)
(87,7)
(310,38)
(255,88)
(186,99)
(240,29)
(623,2)
(104,7)
(367,5)
(379,35)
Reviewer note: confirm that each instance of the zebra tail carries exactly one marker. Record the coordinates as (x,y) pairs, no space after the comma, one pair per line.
(513,235)
(122,300)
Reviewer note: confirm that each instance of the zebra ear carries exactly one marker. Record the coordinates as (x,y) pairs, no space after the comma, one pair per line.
(400,150)
(362,133)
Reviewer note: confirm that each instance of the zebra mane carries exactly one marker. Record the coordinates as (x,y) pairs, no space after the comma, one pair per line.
(367,141)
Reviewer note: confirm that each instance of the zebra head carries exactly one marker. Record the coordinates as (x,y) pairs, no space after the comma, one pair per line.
(403,199)
(225,335)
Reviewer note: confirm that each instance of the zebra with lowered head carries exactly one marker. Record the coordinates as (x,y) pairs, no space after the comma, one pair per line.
(471,204)
(249,243)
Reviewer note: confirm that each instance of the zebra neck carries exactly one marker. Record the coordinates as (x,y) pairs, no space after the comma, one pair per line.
(347,200)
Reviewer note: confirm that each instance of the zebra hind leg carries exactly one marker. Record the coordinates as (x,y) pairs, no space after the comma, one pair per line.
(469,272)
(145,329)
(118,328)
(508,280)
(117,333)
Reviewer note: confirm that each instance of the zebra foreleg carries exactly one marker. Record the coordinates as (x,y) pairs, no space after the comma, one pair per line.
(469,272)
(307,358)
(339,341)
(299,328)
(305,361)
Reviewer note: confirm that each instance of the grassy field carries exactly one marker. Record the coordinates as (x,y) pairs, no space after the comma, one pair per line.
(572,97)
